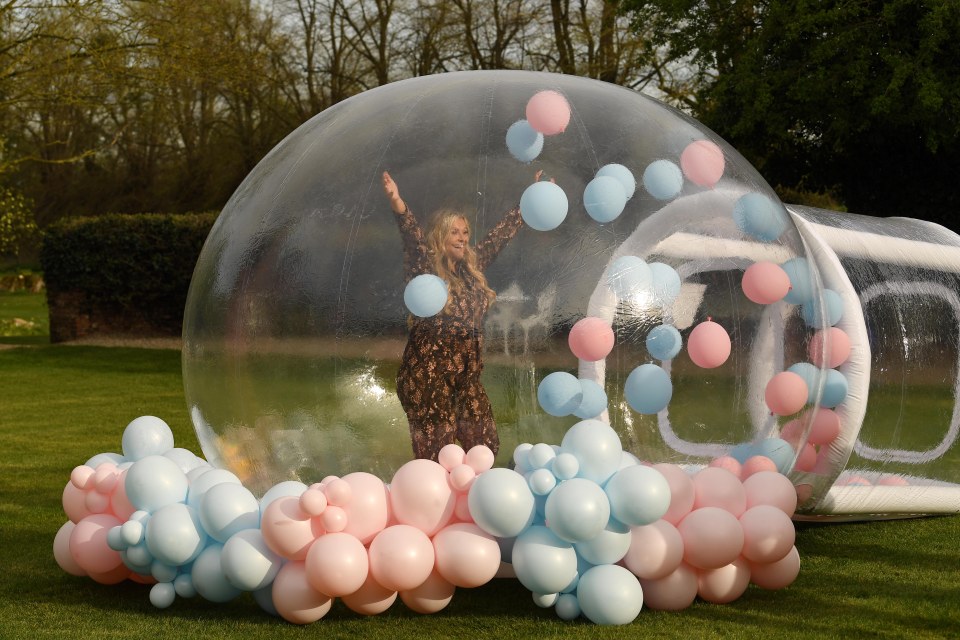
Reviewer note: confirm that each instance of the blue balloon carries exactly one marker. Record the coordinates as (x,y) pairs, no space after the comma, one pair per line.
(154,482)
(827,314)
(638,495)
(543,562)
(293,488)
(607,547)
(183,584)
(174,535)
(666,283)
(742,452)
(501,502)
(801,280)
(777,450)
(663,179)
(811,376)
(565,466)
(187,460)
(577,510)
(264,598)
(543,206)
(100,458)
(162,595)
(138,558)
(610,594)
(648,389)
(567,607)
(208,577)
(425,295)
(228,508)
(204,480)
(247,562)
(541,481)
(597,449)
(834,389)
(146,436)
(623,175)
(163,572)
(604,198)
(523,142)
(521,457)
(560,394)
(545,600)
(759,216)
(594,400)
(664,342)
(540,456)
(629,275)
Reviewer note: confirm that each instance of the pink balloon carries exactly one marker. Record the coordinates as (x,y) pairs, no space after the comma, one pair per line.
(656,550)
(725,584)
(88,544)
(673,592)
(825,427)
(337,564)
(765,283)
(768,534)
(293,597)
(120,504)
(370,599)
(681,492)
(421,496)
(462,477)
(591,339)
(401,557)
(712,538)
(786,393)
(313,502)
(716,487)
(708,345)
(61,550)
(776,575)
(892,481)
(114,576)
(287,530)
(480,458)
(804,493)
(466,555)
(368,511)
(807,459)
(338,492)
(548,112)
(450,456)
(461,512)
(729,463)
(829,348)
(75,503)
(97,502)
(771,488)
(105,478)
(702,162)
(432,595)
(756,464)
(82,476)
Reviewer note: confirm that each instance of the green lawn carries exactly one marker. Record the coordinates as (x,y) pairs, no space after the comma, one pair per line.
(23,318)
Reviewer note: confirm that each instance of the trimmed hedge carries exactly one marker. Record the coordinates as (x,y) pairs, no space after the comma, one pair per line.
(121,274)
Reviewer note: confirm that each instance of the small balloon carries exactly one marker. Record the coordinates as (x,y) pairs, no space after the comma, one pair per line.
(208,576)
(430,596)
(664,342)
(543,206)
(708,345)
(656,550)
(623,175)
(829,348)
(146,436)
(597,448)
(425,295)
(768,534)
(401,557)
(591,339)
(765,283)
(247,562)
(228,508)
(466,556)
(712,537)
(760,217)
(548,112)
(682,491)
(663,179)
(609,594)
(776,575)
(337,564)
(724,584)
(523,142)
(801,280)
(666,283)
(629,275)
(674,592)
(154,481)
(786,393)
(834,389)
(716,487)
(702,163)
(825,314)
(604,198)
(648,389)
(543,562)
(577,510)
(501,502)
(593,402)
(295,600)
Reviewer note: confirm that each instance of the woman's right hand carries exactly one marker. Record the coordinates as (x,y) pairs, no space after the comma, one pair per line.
(393,193)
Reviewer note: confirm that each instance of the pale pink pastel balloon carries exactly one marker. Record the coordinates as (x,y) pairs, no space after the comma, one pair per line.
(370,599)
(338,492)
(82,476)
(287,530)
(825,427)
(334,519)
(776,575)
(368,511)
(401,557)
(120,504)
(466,555)
(293,597)
(702,162)
(337,564)
(673,592)
(729,463)
(829,348)
(480,458)
(892,481)
(771,488)
(681,491)
(313,502)
(97,502)
(724,584)
(105,478)
(712,537)
(756,464)
(765,283)
(548,112)
(450,456)
(804,493)
(462,477)
(807,458)
(768,534)
(61,550)
(88,544)
(708,345)
(786,393)
(74,503)
(114,576)
(420,496)
(431,596)
(716,487)
(591,339)
(461,512)
(656,550)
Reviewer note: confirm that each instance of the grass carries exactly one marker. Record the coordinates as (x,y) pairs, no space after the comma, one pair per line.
(23,318)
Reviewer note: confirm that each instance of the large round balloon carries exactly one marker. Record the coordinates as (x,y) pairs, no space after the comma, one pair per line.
(295,325)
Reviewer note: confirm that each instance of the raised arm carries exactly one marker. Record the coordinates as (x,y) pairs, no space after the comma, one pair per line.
(415,258)
(502,233)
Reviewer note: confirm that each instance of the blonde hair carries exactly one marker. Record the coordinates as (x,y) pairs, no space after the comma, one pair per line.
(440,226)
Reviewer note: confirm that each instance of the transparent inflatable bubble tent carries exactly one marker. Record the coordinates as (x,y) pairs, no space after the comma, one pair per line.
(825,341)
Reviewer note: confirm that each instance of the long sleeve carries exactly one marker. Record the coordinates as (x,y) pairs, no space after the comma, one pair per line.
(489,248)
(416,260)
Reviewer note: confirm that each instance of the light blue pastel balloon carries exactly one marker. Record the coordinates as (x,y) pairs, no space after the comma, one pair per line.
(545,600)
(597,449)
(577,510)
(629,275)
(293,488)
(183,584)
(543,206)
(604,198)
(559,394)
(425,295)
(264,598)
(623,175)
(607,547)
(204,481)
(208,577)
(541,481)
(228,508)
(521,457)
(759,216)
(801,280)
(638,495)
(115,539)
(664,342)
(666,283)
(146,436)
(565,466)
(609,594)
(567,607)
(174,535)
(594,400)
(247,562)
(154,482)
(501,502)
(742,452)
(834,389)
(777,450)
(540,455)
(162,595)
(663,179)
(543,562)
(648,389)
(827,314)
(523,142)
(187,460)
(109,456)
(811,376)
(163,572)
(137,558)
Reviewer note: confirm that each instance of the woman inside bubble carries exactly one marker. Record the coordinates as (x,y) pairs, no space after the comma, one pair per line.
(438,383)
